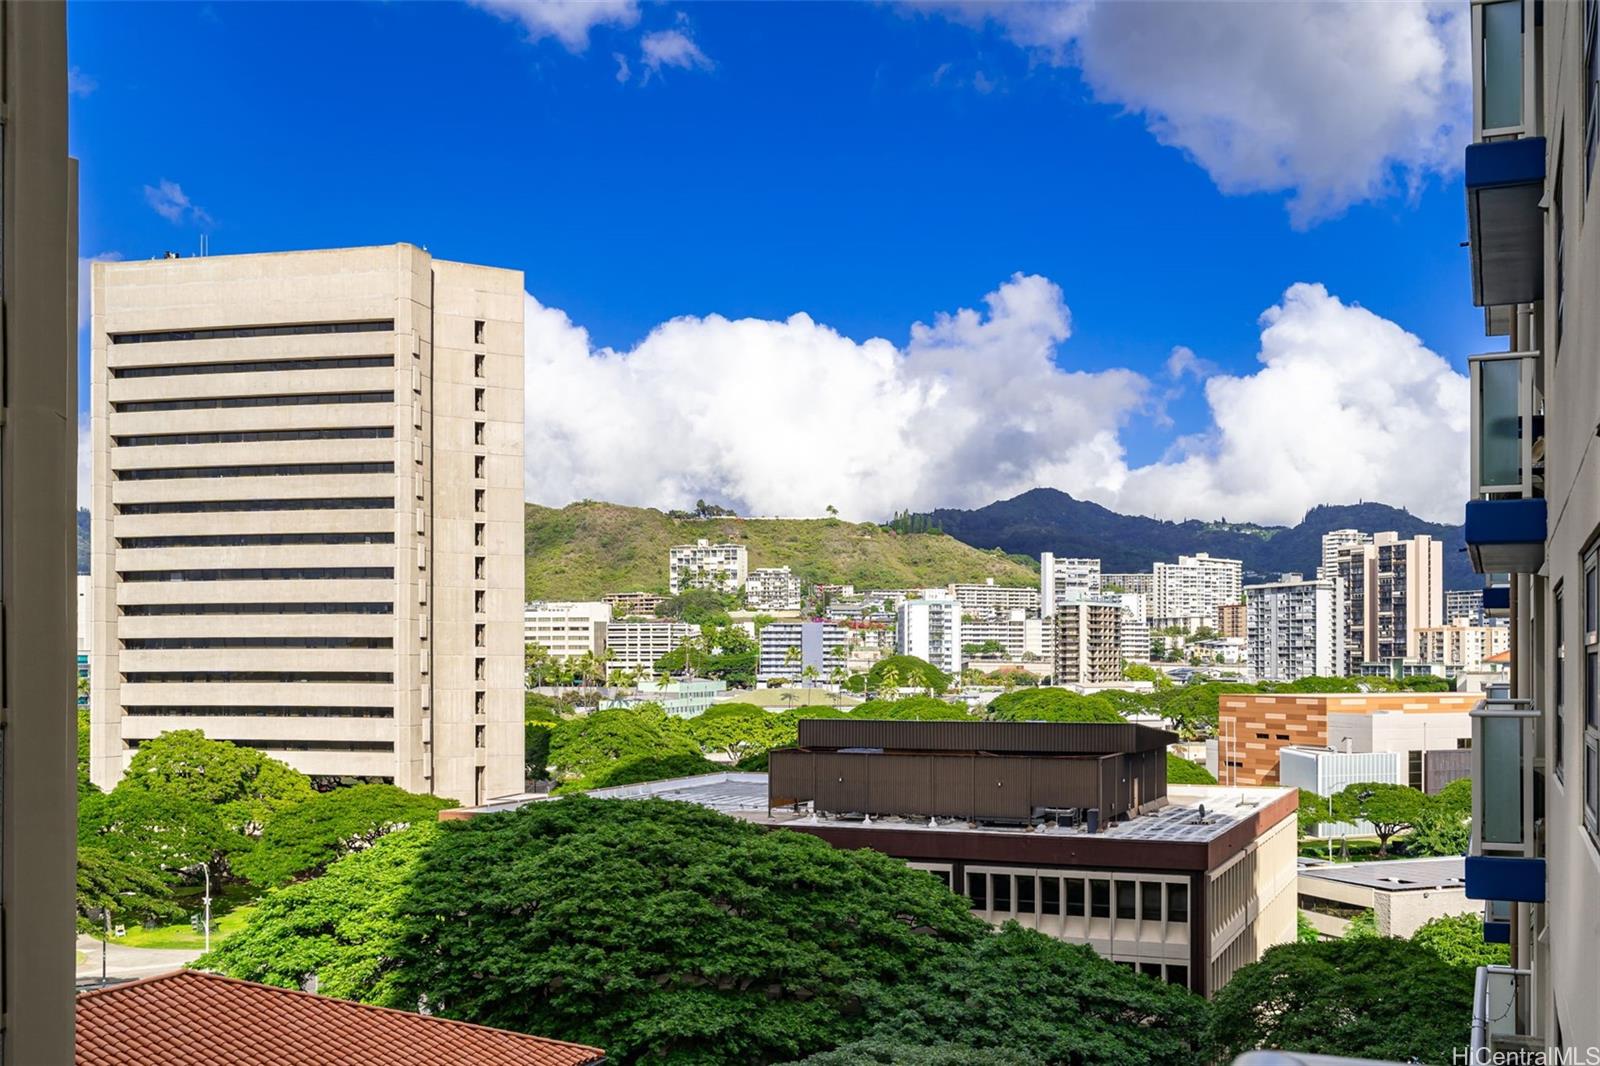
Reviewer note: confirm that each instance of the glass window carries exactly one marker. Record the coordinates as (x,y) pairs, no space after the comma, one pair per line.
(1000,891)
(943,876)
(1500,428)
(1502,64)
(1050,895)
(1125,898)
(1074,898)
(977,891)
(1150,900)
(296,329)
(1178,975)
(1099,898)
(1177,903)
(1502,784)
(1151,969)
(1024,894)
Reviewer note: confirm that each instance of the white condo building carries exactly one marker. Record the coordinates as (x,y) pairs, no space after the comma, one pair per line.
(1134,627)
(1333,542)
(566,629)
(1465,603)
(1019,634)
(637,645)
(307,513)
(1189,591)
(1060,576)
(994,601)
(772,588)
(1293,629)
(789,648)
(1461,645)
(930,629)
(704,565)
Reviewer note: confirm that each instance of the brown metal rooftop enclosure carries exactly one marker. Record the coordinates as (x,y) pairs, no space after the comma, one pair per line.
(1013,772)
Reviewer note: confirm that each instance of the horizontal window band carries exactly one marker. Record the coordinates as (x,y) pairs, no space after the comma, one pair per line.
(245,540)
(260,366)
(156,643)
(306,399)
(290,329)
(301,745)
(146,610)
(174,473)
(165,711)
(265,573)
(254,436)
(214,677)
(317,503)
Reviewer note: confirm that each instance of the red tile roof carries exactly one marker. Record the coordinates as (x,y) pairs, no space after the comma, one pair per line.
(190,1018)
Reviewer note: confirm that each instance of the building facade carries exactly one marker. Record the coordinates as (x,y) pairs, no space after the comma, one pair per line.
(703,565)
(1020,635)
(1232,620)
(1465,603)
(638,645)
(1333,543)
(1462,645)
(632,604)
(930,629)
(1135,627)
(1060,575)
(1293,630)
(307,513)
(772,588)
(566,629)
(1188,592)
(795,651)
(1392,588)
(38,443)
(1088,641)
(989,600)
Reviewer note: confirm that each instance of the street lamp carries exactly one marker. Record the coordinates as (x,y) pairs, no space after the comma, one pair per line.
(205,869)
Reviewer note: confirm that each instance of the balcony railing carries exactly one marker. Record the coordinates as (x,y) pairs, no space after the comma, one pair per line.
(1500,1014)
(1503,750)
(1503,70)
(1507,423)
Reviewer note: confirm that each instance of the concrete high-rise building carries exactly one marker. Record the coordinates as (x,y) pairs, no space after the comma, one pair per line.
(1461,645)
(1088,641)
(1335,541)
(789,649)
(930,629)
(704,565)
(772,588)
(637,645)
(1020,634)
(1391,589)
(1188,592)
(1294,630)
(1134,627)
(1141,585)
(994,601)
(307,513)
(1465,603)
(38,435)
(1232,620)
(1060,576)
(566,630)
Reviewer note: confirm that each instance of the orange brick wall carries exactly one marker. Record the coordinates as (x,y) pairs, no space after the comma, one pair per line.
(1251,728)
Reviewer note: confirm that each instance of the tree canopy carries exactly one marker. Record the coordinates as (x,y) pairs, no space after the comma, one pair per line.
(1051,705)
(1391,809)
(905,671)
(582,746)
(913,708)
(1339,997)
(1458,940)
(158,831)
(1184,772)
(302,840)
(241,784)
(639,768)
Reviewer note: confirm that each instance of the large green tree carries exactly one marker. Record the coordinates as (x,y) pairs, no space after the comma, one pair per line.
(241,784)
(1184,772)
(733,730)
(302,840)
(660,931)
(157,831)
(582,746)
(905,671)
(125,889)
(1371,997)
(1458,940)
(913,709)
(1392,809)
(1051,705)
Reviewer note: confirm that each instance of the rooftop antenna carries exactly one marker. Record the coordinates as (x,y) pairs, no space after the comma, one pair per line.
(203,243)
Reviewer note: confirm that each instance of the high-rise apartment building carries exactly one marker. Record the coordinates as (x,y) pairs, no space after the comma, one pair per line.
(1464,603)
(1134,627)
(1293,629)
(39,371)
(989,600)
(1391,589)
(307,513)
(1059,576)
(1142,585)
(1461,645)
(930,629)
(1088,641)
(637,645)
(802,651)
(772,588)
(1232,620)
(704,565)
(1020,634)
(1335,541)
(1188,592)
(566,629)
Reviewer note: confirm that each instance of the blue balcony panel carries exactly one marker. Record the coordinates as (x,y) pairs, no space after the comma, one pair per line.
(1497,600)
(1505,877)
(1497,932)
(1505,182)
(1506,535)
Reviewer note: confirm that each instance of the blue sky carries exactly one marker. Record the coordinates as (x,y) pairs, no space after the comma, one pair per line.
(869,165)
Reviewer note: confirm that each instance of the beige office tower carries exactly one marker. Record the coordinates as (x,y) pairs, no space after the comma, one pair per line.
(307,513)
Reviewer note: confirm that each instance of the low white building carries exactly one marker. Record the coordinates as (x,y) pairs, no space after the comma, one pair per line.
(1327,772)
(683,697)
(989,600)
(566,629)
(930,629)
(637,645)
(1462,645)
(1017,634)
(788,648)
(1402,894)
(772,588)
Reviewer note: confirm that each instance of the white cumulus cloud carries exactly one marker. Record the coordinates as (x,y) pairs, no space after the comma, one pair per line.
(671,48)
(788,417)
(167,199)
(568,21)
(1266,96)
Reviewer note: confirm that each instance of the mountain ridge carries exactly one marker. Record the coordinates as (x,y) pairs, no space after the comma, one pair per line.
(1045,519)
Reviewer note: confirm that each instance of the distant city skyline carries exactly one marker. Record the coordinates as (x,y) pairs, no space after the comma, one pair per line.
(892,260)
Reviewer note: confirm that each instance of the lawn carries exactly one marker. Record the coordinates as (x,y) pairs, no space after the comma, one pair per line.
(182,935)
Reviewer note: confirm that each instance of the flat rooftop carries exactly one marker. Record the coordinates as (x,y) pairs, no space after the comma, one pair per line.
(1393,875)
(744,795)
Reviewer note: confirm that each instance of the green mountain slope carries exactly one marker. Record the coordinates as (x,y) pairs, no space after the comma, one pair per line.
(585,550)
